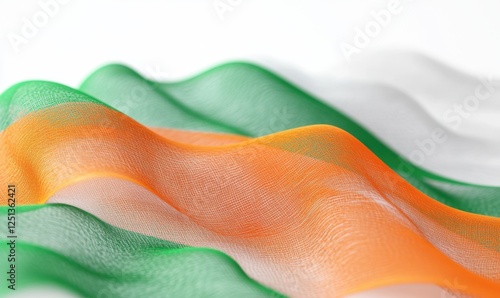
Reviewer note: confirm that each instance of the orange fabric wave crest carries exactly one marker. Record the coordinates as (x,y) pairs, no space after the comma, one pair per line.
(313,207)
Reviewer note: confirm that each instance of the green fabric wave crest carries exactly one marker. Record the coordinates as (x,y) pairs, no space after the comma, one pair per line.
(236,98)
(64,245)
(249,100)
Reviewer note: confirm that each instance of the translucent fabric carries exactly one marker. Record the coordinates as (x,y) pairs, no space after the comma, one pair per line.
(308,212)
(71,248)
(244,99)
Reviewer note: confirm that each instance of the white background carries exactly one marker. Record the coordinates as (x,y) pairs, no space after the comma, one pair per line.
(184,37)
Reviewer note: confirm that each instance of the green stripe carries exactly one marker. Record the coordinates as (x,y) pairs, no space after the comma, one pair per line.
(64,245)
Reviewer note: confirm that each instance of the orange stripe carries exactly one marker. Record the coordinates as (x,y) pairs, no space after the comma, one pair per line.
(312,203)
